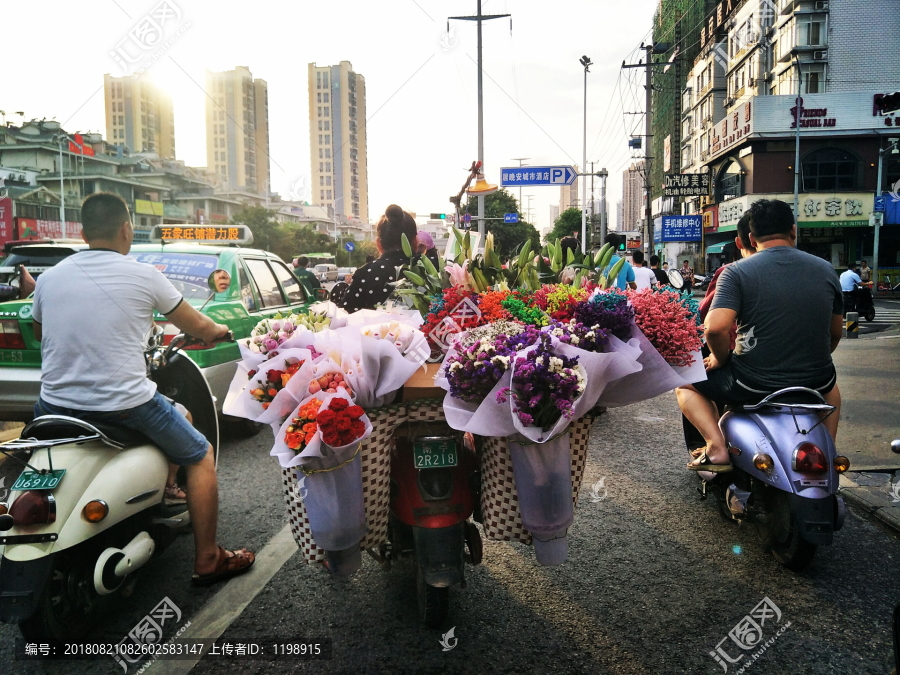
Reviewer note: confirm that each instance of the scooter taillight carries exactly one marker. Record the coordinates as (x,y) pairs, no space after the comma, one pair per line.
(34,507)
(808,458)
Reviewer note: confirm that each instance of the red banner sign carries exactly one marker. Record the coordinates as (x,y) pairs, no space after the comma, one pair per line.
(6,221)
(30,228)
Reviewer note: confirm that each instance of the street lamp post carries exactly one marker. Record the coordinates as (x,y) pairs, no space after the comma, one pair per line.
(587,63)
(479,18)
(892,146)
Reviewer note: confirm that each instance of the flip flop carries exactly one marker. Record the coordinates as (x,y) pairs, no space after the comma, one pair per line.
(696,453)
(706,465)
(175,495)
(226,567)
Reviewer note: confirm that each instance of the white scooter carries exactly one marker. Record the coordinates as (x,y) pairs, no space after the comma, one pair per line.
(90,510)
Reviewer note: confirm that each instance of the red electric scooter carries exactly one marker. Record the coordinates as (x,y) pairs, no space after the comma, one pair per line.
(434,491)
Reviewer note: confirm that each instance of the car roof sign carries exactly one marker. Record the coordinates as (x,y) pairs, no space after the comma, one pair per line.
(202,234)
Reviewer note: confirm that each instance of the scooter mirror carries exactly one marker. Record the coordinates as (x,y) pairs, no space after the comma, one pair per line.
(219,281)
(895,446)
(321,294)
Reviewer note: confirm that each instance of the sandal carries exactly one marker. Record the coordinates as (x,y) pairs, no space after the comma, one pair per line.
(699,451)
(706,465)
(226,567)
(175,495)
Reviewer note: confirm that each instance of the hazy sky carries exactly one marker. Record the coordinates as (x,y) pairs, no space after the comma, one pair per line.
(421,83)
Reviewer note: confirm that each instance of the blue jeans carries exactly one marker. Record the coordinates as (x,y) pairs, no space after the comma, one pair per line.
(157,420)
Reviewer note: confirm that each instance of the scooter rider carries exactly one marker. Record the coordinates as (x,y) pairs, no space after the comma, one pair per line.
(849,283)
(94,369)
(784,339)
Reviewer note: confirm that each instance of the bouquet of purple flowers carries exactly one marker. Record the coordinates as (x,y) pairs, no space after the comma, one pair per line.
(573,332)
(545,385)
(482,356)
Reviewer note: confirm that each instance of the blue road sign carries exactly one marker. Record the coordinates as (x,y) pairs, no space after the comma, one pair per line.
(350,246)
(879,203)
(510,217)
(538,175)
(467,218)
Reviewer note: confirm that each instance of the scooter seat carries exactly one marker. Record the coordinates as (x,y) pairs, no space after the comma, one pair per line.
(59,427)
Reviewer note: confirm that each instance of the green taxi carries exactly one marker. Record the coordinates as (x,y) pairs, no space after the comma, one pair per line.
(258,285)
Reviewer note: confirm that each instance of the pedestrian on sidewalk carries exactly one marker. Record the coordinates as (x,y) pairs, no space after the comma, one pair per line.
(643,276)
(865,272)
(662,279)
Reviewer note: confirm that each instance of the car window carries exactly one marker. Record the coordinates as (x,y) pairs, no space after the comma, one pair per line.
(188,272)
(36,258)
(248,294)
(321,268)
(269,291)
(289,282)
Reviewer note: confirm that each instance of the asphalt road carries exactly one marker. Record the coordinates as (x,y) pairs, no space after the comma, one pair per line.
(655,580)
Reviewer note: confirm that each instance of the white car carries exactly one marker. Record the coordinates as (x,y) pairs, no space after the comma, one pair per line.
(327,272)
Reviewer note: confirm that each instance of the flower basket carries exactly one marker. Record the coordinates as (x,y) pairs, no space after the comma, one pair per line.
(499,500)
(375,463)
(375,467)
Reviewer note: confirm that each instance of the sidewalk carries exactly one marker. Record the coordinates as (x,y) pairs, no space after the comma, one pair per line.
(868,371)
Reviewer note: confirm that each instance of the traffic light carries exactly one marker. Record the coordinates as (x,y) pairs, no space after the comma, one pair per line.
(439,216)
(886,103)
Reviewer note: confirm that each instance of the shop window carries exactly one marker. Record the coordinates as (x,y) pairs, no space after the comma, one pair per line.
(829,169)
(730,182)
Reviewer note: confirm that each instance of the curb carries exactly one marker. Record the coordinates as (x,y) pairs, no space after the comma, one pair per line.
(872,500)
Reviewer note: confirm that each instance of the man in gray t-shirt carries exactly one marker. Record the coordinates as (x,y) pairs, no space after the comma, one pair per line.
(788,308)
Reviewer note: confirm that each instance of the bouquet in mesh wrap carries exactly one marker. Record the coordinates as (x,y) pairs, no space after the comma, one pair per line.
(528,385)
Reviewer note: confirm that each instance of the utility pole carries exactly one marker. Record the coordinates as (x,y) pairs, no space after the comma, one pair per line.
(797,144)
(603,173)
(651,49)
(592,195)
(520,160)
(479,18)
(648,237)
(879,216)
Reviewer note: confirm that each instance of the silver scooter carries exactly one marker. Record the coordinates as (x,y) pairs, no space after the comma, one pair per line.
(88,509)
(785,477)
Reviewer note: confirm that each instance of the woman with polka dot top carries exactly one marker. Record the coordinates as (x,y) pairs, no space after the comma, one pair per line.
(370,282)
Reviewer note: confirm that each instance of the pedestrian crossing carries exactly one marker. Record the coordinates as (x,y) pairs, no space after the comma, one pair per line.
(884,317)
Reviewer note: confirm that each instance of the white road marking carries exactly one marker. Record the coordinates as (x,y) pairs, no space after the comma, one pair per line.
(228,604)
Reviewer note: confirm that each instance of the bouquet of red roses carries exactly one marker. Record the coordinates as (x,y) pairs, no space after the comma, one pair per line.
(341,423)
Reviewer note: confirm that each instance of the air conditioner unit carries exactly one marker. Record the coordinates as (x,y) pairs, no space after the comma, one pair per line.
(821,5)
(820,55)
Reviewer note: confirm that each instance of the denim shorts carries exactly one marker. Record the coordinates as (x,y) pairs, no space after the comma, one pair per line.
(158,420)
(724,386)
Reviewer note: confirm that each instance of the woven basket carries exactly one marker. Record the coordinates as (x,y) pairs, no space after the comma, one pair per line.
(499,501)
(376,473)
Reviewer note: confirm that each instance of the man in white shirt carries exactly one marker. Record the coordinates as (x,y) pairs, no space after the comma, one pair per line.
(93,368)
(643,276)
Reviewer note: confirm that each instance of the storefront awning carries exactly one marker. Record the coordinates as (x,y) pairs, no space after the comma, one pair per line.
(718,248)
